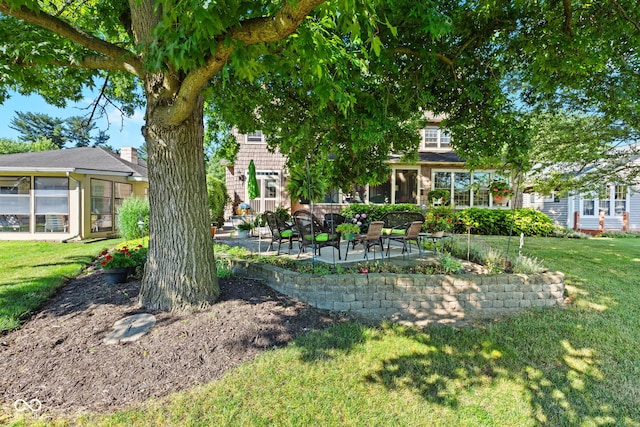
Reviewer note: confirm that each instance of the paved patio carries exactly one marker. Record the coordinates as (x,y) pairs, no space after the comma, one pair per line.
(259,243)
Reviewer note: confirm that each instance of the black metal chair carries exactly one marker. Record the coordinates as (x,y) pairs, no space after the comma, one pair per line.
(280,231)
(332,220)
(312,233)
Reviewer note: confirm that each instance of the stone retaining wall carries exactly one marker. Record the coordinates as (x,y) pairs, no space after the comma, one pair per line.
(413,298)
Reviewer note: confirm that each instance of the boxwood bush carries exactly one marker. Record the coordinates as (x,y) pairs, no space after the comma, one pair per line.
(375,212)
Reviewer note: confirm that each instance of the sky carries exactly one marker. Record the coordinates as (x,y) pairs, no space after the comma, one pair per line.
(123,132)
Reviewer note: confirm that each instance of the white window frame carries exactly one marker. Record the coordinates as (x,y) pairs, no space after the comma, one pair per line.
(442,138)
(492,175)
(261,176)
(256,137)
(612,190)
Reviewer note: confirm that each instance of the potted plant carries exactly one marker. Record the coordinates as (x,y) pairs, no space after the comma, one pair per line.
(348,230)
(501,192)
(439,221)
(244,227)
(117,264)
(438,196)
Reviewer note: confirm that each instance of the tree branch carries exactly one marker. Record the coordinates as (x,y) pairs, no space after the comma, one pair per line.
(568,15)
(128,61)
(626,15)
(253,31)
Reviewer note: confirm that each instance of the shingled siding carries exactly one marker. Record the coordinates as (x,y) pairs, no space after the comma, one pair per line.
(264,161)
(416,299)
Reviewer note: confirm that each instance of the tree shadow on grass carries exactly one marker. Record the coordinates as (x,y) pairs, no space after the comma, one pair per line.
(559,381)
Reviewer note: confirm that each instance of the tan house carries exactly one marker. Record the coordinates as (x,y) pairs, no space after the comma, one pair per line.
(67,194)
(438,167)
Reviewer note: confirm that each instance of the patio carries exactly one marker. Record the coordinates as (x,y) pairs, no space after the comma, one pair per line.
(262,238)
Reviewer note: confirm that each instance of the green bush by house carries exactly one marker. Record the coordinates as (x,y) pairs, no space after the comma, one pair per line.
(130,213)
(218,199)
(500,222)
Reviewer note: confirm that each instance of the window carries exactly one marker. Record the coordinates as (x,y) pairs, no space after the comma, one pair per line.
(467,189)
(434,137)
(15,203)
(52,204)
(611,201)
(101,205)
(620,199)
(588,207)
(462,189)
(480,189)
(380,193)
(255,137)
(122,191)
(406,186)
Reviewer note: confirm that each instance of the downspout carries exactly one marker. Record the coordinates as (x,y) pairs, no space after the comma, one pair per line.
(81,216)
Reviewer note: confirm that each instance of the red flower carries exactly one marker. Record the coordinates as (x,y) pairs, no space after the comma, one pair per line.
(103,253)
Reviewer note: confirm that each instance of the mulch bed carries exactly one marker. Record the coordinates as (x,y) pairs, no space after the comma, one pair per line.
(59,356)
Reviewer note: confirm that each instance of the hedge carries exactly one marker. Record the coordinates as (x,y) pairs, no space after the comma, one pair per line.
(499,222)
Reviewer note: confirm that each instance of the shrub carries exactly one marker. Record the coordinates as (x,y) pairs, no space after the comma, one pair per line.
(218,199)
(375,212)
(449,264)
(621,234)
(526,265)
(568,233)
(499,222)
(129,214)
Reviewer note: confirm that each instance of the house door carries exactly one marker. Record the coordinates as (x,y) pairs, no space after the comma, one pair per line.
(269,185)
(406,186)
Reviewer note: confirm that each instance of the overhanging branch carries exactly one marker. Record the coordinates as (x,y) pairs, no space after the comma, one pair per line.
(128,62)
(253,31)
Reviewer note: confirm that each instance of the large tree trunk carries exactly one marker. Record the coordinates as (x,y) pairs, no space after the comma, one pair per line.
(180,272)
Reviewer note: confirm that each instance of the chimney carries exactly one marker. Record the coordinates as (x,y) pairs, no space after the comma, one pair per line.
(129,154)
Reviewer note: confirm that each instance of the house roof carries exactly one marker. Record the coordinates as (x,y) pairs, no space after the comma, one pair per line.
(84,160)
(434,157)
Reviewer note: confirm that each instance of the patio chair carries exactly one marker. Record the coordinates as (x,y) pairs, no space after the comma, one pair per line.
(332,220)
(372,238)
(411,234)
(55,223)
(280,231)
(312,233)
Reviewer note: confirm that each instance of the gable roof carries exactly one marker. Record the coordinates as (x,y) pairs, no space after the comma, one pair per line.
(84,160)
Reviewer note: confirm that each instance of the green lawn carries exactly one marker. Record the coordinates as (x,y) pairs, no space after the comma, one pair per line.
(578,366)
(30,272)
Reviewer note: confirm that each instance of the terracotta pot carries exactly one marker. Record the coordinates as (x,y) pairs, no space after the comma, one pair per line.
(213,231)
(437,233)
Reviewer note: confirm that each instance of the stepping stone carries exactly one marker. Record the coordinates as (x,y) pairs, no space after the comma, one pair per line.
(130,329)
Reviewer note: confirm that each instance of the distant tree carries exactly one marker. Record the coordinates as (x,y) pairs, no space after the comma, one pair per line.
(32,126)
(142,152)
(9,146)
(580,152)
(78,131)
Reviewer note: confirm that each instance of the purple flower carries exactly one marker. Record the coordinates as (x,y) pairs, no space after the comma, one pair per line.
(357,216)
(363,216)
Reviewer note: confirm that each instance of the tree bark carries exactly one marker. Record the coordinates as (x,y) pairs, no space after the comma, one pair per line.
(180,273)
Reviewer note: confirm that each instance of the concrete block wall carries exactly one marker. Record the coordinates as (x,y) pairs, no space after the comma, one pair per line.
(414,298)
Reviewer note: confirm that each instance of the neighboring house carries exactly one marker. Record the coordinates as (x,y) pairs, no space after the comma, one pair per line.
(438,167)
(615,208)
(67,194)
